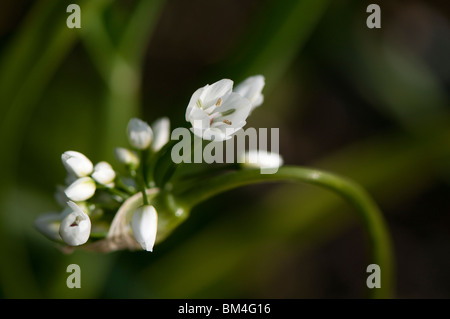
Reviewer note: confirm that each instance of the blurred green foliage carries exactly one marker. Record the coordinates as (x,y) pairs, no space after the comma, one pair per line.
(368,104)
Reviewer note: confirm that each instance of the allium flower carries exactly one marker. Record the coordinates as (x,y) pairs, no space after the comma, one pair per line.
(75,228)
(140,134)
(161,133)
(251,89)
(145,224)
(127,157)
(268,162)
(103,173)
(216,112)
(77,164)
(80,190)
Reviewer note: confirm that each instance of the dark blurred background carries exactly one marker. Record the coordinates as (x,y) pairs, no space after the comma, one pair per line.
(370,104)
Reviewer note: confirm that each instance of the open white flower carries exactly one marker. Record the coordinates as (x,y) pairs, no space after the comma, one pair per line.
(103,173)
(216,112)
(75,228)
(161,133)
(140,134)
(268,162)
(77,164)
(144,224)
(251,89)
(80,190)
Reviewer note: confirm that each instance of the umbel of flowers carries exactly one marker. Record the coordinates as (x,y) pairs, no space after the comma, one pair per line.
(133,207)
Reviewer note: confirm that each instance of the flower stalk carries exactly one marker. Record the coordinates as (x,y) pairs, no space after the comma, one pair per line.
(372,219)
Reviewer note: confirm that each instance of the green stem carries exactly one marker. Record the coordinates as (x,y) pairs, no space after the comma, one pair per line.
(373,221)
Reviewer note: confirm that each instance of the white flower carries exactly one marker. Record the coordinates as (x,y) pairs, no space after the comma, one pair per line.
(77,164)
(251,89)
(127,157)
(161,133)
(82,189)
(75,228)
(216,112)
(145,224)
(268,162)
(139,134)
(103,173)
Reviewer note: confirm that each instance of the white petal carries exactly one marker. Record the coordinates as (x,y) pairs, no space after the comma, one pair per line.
(80,190)
(75,228)
(251,89)
(161,133)
(145,224)
(139,134)
(76,163)
(103,173)
(215,91)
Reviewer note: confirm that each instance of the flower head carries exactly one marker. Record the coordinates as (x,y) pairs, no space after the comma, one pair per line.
(145,224)
(80,190)
(75,227)
(251,89)
(139,134)
(216,112)
(77,164)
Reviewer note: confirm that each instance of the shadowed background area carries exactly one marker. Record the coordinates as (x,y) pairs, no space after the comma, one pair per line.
(369,104)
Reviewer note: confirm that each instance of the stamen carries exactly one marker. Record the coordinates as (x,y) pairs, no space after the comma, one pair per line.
(227,122)
(219,102)
(199,103)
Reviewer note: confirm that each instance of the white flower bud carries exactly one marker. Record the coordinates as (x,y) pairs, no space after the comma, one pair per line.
(268,162)
(103,173)
(80,190)
(145,224)
(127,157)
(139,134)
(75,228)
(76,163)
(161,133)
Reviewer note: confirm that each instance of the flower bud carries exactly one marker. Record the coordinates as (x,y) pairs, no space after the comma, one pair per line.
(80,190)
(145,224)
(103,173)
(76,163)
(75,228)
(139,134)
(127,157)
(161,133)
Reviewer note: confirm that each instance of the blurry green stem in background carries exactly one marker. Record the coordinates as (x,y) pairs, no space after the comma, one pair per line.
(379,239)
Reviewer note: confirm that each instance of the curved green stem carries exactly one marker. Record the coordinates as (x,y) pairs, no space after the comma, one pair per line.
(373,221)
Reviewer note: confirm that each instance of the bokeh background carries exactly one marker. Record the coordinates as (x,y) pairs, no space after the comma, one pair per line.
(370,104)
